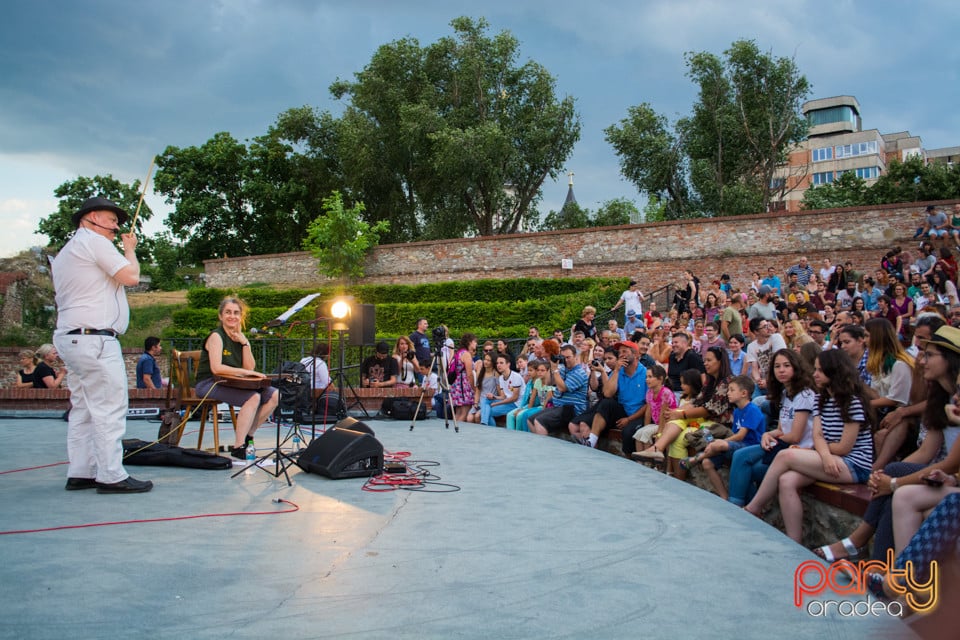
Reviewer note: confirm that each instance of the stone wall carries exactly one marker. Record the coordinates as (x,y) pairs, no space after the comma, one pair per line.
(655,253)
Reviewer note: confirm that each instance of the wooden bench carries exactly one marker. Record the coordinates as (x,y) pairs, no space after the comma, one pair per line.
(853,498)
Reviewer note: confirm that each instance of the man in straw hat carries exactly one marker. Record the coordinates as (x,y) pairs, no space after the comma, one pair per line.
(89,276)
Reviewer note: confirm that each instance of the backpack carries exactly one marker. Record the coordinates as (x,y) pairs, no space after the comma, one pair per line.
(452,367)
(403,409)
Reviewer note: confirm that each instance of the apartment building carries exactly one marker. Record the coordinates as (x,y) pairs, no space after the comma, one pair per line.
(837,143)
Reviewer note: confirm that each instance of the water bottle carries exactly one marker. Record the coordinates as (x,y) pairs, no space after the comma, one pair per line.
(251,458)
(707,436)
(296,443)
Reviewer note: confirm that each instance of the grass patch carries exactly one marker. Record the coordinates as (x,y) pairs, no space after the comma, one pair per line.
(148,320)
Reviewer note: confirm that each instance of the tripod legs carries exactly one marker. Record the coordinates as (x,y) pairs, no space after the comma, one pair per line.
(445,393)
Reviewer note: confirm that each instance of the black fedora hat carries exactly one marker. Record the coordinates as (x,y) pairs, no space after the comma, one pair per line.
(99,204)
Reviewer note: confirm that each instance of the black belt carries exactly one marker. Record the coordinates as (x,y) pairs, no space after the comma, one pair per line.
(93,332)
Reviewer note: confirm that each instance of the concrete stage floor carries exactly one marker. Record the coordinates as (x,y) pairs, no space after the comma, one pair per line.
(544,539)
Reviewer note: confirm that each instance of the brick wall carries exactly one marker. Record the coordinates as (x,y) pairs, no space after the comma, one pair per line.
(655,253)
(10,364)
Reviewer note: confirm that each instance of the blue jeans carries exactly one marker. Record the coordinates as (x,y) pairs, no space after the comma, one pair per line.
(746,473)
(489,411)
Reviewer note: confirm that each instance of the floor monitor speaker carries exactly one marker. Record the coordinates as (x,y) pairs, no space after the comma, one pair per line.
(343,453)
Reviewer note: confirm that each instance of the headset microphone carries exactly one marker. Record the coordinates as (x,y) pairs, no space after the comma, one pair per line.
(110,229)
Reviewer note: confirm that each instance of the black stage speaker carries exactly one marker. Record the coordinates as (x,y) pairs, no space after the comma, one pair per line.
(354,425)
(363,325)
(343,453)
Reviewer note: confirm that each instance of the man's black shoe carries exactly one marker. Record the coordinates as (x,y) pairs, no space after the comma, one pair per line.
(76,484)
(130,485)
(240,453)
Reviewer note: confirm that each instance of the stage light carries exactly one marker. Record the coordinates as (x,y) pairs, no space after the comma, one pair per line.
(340,309)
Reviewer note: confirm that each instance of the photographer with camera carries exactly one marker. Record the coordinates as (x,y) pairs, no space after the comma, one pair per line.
(570,397)
(407,362)
(600,369)
(625,393)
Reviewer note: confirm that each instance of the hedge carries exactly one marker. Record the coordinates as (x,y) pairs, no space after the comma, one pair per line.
(488,308)
(486,290)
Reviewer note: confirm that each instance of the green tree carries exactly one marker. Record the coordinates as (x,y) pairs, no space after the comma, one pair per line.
(166,260)
(652,158)
(847,190)
(615,212)
(340,240)
(58,226)
(570,216)
(720,159)
(913,180)
(453,138)
(212,213)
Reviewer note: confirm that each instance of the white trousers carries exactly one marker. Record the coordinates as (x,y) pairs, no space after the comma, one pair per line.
(97,378)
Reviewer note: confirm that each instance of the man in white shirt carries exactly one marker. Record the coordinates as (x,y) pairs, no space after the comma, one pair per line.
(89,276)
(760,352)
(632,298)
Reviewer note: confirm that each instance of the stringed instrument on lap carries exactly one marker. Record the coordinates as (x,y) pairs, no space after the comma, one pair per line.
(247,382)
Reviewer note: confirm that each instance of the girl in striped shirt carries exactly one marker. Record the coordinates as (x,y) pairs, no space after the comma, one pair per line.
(843,448)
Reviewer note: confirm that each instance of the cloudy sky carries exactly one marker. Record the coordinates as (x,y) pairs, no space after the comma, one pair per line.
(93,87)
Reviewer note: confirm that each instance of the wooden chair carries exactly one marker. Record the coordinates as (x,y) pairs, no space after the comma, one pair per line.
(181,364)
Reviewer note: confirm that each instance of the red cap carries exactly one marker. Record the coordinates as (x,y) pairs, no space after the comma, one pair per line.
(628,344)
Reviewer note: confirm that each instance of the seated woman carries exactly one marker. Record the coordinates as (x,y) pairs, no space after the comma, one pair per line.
(47,375)
(792,399)
(939,449)
(25,375)
(843,446)
(889,365)
(711,406)
(407,365)
(226,351)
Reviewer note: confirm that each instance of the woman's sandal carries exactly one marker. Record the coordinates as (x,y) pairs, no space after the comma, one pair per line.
(690,461)
(853,552)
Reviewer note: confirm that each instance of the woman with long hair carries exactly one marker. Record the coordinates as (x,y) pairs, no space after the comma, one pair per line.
(711,308)
(902,303)
(226,351)
(407,365)
(710,407)
(792,399)
(889,365)
(843,445)
(837,280)
(486,386)
(463,390)
(946,290)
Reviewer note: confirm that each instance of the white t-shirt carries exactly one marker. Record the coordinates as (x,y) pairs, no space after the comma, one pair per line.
(631,300)
(806,400)
(761,355)
(320,379)
(507,387)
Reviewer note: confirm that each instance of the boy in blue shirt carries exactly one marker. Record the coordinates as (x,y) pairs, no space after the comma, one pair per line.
(748,427)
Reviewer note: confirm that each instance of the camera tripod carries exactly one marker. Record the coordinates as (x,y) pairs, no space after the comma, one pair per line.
(444,387)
